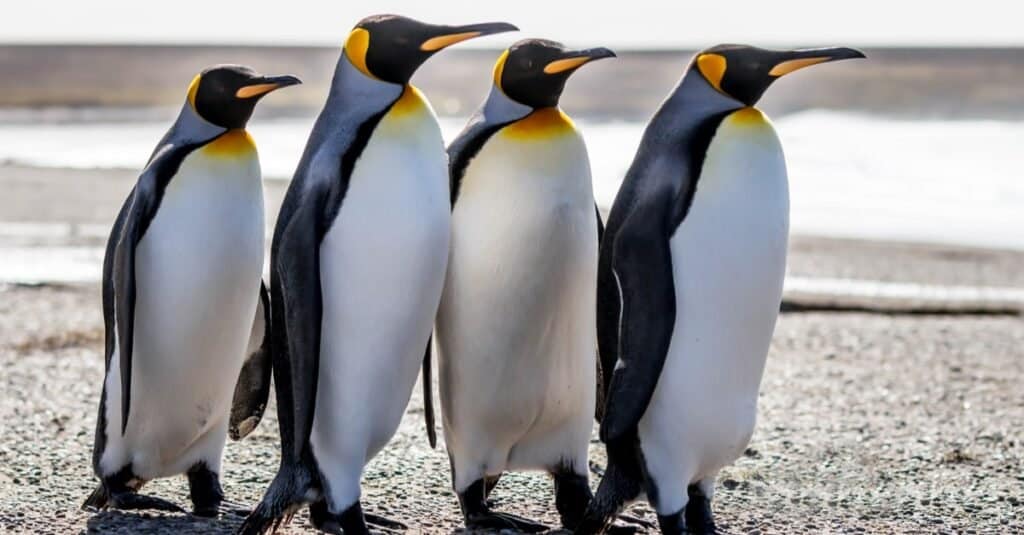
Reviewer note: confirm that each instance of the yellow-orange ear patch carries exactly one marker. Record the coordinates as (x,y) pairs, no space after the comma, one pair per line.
(787,67)
(356,46)
(539,125)
(193,88)
(499,68)
(712,66)
(231,144)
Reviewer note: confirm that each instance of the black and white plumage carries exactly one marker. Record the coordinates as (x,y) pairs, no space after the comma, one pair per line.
(516,332)
(357,265)
(690,283)
(181,291)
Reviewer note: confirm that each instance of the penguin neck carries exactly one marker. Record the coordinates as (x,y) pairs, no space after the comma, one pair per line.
(189,129)
(500,109)
(692,103)
(351,87)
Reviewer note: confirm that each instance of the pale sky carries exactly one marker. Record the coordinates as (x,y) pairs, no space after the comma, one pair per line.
(623,23)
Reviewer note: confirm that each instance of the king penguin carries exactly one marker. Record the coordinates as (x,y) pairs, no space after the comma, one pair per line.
(690,283)
(516,332)
(357,266)
(183,304)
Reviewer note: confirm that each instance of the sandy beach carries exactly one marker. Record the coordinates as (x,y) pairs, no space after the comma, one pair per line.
(872,419)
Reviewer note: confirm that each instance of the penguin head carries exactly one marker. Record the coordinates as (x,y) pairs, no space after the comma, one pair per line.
(392,47)
(226,95)
(743,72)
(533,72)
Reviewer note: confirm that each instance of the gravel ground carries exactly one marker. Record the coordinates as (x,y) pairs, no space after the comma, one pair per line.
(868,424)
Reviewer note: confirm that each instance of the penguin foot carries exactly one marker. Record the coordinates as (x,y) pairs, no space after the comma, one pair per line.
(204,488)
(382,522)
(491,520)
(629,524)
(674,524)
(351,521)
(226,509)
(699,518)
(572,495)
(130,501)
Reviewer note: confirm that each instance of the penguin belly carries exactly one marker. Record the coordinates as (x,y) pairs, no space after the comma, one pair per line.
(382,266)
(198,270)
(729,258)
(516,327)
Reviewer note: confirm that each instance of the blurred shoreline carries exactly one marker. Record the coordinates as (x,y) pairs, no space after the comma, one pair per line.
(54,224)
(902,82)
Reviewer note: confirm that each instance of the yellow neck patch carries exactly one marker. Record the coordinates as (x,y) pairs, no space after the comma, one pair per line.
(231,144)
(411,102)
(541,124)
(356,46)
(749,116)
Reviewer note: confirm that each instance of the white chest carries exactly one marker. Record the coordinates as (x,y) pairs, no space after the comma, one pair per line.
(729,257)
(382,266)
(197,281)
(535,193)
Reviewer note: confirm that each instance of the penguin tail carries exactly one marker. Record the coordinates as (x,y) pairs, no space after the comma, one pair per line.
(615,490)
(287,494)
(98,499)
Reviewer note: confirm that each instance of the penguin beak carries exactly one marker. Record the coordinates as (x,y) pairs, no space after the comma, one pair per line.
(446,36)
(262,85)
(574,59)
(797,59)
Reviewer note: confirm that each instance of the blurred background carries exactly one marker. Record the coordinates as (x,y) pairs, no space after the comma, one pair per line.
(892,399)
(920,143)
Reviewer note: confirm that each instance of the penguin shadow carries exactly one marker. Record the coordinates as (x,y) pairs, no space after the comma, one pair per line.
(116,521)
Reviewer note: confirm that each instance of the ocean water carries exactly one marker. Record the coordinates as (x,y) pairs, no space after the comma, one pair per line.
(932,181)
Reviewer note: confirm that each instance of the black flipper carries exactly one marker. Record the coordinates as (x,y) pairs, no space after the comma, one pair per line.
(253,387)
(602,381)
(642,266)
(119,262)
(299,308)
(428,396)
